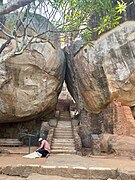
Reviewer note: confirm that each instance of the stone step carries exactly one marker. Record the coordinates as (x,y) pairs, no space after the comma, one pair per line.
(65,113)
(66,144)
(76,171)
(62,148)
(59,144)
(63,143)
(65,137)
(59,151)
(59,140)
(63,124)
(65,119)
(63,130)
(63,134)
(54,146)
(10,142)
(65,127)
(63,140)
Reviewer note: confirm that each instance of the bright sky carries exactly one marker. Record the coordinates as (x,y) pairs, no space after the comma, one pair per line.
(5,1)
(57,15)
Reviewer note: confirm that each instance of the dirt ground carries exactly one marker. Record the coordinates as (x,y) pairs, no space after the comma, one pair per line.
(70,161)
(36,177)
(14,157)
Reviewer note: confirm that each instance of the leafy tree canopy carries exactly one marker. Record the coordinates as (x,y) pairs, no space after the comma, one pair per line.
(72,18)
(78,14)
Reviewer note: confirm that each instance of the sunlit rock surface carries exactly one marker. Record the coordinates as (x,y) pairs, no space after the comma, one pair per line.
(97,75)
(30,82)
(120,145)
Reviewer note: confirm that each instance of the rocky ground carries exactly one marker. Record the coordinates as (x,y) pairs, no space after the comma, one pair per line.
(34,177)
(70,166)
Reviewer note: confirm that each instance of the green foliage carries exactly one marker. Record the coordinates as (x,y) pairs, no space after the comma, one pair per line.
(11,22)
(110,16)
(77,14)
(121,7)
(73,17)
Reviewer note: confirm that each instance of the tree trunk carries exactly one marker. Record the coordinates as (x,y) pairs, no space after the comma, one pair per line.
(14,6)
(1,2)
(2,18)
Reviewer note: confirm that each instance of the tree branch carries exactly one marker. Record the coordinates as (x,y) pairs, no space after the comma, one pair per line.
(19,23)
(14,6)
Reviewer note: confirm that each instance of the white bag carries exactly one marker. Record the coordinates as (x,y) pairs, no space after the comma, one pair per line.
(33,155)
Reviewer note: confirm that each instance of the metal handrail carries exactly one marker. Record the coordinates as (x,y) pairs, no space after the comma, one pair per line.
(29,138)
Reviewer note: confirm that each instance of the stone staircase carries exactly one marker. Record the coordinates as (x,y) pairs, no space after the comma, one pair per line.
(10,142)
(63,140)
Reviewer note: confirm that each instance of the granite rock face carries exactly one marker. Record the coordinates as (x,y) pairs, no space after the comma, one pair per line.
(97,75)
(118,144)
(30,82)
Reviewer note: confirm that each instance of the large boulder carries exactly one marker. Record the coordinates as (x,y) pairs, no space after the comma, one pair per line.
(37,25)
(97,75)
(119,145)
(31,82)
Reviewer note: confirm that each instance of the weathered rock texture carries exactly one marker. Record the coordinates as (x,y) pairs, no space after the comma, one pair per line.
(64,100)
(123,121)
(38,25)
(89,123)
(97,75)
(118,120)
(120,124)
(30,82)
(118,144)
(114,119)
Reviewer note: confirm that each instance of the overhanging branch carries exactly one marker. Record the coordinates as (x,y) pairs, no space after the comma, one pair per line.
(15,5)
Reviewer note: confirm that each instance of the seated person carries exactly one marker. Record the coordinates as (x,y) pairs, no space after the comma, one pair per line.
(44,148)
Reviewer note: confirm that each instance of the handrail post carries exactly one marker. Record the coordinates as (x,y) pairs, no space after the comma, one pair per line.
(29,144)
